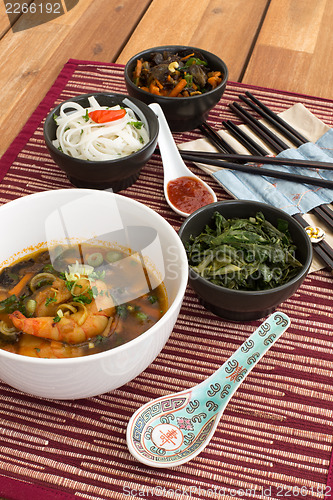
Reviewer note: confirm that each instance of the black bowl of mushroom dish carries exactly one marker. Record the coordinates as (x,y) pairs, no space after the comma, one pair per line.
(101,140)
(187,82)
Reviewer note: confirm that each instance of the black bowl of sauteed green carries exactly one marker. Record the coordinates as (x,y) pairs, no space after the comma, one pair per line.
(245,257)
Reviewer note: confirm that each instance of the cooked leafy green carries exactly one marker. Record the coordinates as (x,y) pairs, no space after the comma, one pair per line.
(13,303)
(244,254)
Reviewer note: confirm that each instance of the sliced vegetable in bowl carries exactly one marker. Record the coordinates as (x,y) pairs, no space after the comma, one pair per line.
(106,115)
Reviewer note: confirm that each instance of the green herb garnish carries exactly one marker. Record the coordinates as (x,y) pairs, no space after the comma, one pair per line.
(13,303)
(122,311)
(152,299)
(97,275)
(189,80)
(141,316)
(49,300)
(195,60)
(9,305)
(48,268)
(137,125)
(84,299)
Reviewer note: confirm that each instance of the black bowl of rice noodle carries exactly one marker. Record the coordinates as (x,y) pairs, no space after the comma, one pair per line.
(101,140)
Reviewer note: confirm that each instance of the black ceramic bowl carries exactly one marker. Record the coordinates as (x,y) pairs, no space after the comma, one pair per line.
(238,305)
(182,113)
(116,174)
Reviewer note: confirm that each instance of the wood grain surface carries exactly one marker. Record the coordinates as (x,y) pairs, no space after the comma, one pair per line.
(33,56)
(280,44)
(294,49)
(214,25)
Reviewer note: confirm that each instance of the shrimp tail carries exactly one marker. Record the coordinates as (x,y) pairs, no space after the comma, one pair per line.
(32,326)
(18,320)
(66,330)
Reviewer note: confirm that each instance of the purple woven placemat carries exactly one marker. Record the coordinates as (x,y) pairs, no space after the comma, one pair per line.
(275,438)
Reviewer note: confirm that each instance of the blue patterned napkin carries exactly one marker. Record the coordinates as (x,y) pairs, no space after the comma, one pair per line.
(292,197)
(289,196)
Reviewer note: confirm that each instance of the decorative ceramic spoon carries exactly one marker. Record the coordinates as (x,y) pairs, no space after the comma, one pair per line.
(173,429)
(173,164)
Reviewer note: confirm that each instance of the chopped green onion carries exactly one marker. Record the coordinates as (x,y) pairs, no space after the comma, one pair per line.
(30,307)
(141,316)
(113,256)
(95,259)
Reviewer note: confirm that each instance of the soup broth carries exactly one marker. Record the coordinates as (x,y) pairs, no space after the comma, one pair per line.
(76,301)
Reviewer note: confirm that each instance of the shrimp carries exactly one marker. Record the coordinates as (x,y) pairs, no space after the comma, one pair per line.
(49,297)
(35,347)
(66,329)
(73,328)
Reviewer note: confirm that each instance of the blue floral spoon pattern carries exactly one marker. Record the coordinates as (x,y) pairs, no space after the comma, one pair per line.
(173,429)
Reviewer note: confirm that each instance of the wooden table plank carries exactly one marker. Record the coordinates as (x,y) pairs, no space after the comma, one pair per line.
(288,47)
(294,50)
(94,30)
(5,21)
(226,28)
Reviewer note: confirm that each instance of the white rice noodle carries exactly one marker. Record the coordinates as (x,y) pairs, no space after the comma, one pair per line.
(81,138)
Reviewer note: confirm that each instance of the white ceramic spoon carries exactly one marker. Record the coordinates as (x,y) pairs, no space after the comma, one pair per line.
(173,429)
(173,164)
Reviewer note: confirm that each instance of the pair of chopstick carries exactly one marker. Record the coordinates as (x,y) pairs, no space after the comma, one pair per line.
(260,159)
(322,249)
(218,160)
(288,131)
(267,135)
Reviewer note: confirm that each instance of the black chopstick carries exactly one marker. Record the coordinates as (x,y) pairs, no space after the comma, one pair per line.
(295,141)
(250,169)
(272,160)
(323,216)
(244,139)
(276,117)
(285,128)
(327,210)
(322,249)
(215,138)
(263,132)
(323,165)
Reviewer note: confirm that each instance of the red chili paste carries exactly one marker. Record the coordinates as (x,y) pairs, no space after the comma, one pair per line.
(188,194)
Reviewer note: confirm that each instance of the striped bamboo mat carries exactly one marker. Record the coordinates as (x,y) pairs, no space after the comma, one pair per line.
(275,438)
